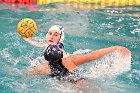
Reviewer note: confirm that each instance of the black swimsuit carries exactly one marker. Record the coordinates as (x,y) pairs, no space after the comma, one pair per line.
(59,72)
(62,73)
(57,68)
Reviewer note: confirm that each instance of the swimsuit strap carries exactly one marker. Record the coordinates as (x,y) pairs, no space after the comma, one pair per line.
(61,46)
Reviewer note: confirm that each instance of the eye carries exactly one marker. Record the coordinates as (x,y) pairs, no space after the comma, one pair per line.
(56,34)
(50,33)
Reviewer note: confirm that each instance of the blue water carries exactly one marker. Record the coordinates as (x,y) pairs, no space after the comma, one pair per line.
(85,30)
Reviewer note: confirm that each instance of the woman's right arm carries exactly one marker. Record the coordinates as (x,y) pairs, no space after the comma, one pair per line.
(35,43)
(40,69)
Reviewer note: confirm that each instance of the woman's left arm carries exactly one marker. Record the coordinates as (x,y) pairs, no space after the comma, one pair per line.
(72,61)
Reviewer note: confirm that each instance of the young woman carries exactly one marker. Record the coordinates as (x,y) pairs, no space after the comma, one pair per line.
(55,36)
(58,64)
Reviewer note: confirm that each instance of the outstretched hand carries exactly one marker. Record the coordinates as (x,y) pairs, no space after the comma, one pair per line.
(123,50)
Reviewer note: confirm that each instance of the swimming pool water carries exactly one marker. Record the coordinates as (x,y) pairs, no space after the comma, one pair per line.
(85,30)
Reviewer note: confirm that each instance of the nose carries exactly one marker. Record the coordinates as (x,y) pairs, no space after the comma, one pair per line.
(51,36)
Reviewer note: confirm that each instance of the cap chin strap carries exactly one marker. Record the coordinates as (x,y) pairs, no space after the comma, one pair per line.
(61,34)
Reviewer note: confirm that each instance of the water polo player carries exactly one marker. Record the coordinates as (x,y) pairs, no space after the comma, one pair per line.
(60,66)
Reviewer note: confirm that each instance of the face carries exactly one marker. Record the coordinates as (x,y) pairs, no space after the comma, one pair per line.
(53,37)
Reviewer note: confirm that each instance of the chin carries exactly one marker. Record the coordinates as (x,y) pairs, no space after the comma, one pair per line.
(51,43)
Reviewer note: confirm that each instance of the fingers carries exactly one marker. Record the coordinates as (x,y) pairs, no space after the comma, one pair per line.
(123,50)
(27,39)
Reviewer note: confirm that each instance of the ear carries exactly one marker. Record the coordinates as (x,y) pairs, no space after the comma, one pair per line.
(46,35)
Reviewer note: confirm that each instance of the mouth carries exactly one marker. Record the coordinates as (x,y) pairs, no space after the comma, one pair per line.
(50,41)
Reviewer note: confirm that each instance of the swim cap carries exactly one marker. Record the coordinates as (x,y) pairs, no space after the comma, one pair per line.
(53,53)
(60,30)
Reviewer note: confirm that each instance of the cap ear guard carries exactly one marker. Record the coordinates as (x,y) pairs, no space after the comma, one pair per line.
(62,37)
(62,34)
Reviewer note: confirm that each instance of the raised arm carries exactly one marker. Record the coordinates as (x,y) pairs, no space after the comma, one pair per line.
(35,43)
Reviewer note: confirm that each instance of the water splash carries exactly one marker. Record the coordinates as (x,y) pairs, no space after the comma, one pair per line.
(110,65)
